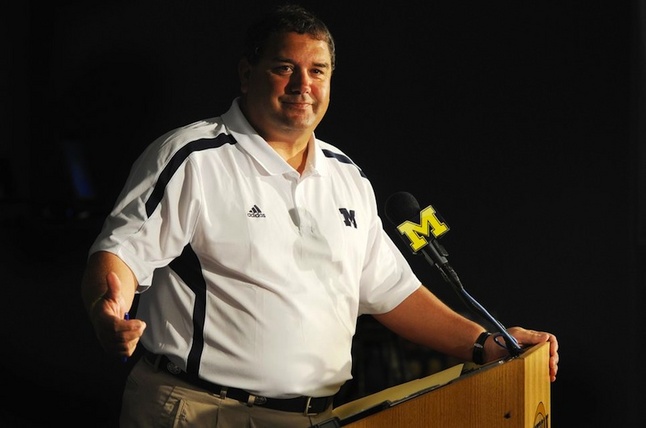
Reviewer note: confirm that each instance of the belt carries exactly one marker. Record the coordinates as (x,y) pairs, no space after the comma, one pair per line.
(303,404)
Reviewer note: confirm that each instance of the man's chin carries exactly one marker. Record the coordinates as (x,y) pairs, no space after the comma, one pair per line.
(300,122)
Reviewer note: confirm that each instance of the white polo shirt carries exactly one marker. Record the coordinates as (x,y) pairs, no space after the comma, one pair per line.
(252,275)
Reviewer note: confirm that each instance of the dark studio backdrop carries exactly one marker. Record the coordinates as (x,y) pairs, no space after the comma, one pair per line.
(522,124)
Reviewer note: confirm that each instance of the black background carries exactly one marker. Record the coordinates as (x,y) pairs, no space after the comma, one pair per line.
(520,123)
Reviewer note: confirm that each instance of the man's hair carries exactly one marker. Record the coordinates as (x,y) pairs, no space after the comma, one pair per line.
(285,18)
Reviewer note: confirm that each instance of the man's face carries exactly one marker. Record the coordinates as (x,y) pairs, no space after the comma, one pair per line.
(286,94)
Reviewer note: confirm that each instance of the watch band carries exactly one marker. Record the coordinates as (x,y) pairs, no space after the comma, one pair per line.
(478,348)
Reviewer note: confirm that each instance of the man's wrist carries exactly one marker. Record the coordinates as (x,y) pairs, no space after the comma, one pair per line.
(478,348)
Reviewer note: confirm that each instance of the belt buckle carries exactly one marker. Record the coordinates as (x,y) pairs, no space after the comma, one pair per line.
(308,404)
(172,368)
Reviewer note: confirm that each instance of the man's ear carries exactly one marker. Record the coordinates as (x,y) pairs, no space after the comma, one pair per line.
(244,71)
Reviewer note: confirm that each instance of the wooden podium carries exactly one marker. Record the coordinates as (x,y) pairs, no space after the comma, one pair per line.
(513,392)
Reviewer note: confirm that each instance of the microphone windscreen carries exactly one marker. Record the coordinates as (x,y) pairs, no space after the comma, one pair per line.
(402,206)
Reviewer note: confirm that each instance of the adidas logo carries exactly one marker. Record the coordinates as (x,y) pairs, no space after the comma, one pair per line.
(255,212)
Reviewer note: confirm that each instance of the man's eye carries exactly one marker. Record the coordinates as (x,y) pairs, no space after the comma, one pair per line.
(319,73)
(283,69)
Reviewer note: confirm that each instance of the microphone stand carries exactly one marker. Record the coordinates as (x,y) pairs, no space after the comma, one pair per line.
(438,258)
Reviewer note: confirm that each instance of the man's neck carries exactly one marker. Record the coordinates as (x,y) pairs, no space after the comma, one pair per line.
(294,153)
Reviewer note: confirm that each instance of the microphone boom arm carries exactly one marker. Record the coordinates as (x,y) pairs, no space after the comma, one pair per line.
(438,258)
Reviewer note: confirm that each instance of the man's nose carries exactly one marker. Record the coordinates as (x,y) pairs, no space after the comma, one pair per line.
(300,82)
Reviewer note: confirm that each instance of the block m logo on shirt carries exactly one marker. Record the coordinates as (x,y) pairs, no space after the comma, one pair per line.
(348,217)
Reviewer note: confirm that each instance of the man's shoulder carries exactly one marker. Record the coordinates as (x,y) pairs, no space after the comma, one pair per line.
(337,156)
(199,133)
(200,129)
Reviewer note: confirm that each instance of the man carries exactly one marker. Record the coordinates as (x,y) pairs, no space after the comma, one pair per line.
(254,247)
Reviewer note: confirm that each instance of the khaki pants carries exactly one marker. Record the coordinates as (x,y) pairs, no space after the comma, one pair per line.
(154,398)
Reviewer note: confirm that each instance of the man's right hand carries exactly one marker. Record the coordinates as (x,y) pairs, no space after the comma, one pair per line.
(116,335)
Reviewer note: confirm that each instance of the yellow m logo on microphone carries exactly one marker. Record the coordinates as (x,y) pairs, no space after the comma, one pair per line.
(429,223)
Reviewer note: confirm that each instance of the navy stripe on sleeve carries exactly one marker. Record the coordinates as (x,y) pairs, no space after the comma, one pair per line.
(177,160)
(342,159)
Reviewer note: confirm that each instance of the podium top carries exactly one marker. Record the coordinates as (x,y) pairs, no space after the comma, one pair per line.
(391,396)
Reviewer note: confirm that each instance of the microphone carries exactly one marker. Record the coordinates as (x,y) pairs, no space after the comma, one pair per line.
(403,211)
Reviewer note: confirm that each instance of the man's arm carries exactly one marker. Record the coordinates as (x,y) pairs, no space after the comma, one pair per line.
(424,319)
(108,290)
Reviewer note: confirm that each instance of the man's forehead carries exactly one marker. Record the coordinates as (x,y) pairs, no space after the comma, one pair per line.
(290,43)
